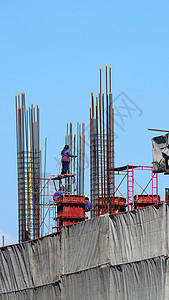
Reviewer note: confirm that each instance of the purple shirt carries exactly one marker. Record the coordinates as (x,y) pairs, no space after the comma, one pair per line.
(67,153)
(65,156)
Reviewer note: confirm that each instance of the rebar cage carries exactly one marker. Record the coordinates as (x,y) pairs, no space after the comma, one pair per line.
(28,165)
(102,179)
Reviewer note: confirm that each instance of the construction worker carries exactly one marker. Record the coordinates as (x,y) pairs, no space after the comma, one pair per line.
(65,159)
(58,193)
(87,203)
(27,235)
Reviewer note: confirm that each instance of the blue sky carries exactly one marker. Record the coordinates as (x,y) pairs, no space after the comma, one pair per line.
(52,51)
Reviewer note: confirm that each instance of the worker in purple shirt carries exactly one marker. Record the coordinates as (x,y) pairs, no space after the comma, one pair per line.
(65,159)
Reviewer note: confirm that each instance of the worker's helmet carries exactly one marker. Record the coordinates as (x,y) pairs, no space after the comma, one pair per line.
(86,197)
(66,147)
(27,229)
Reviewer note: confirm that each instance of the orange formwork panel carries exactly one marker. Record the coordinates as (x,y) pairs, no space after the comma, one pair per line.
(141,201)
(105,205)
(70,210)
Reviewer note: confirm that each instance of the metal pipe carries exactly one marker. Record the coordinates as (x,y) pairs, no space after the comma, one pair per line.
(109,150)
(107,147)
(38,121)
(30,184)
(100,81)
(92,159)
(110,79)
(32,132)
(23,167)
(158,130)
(67,143)
(16,108)
(83,164)
(97,159)
(101,150)
(33,176)
(26,129)
(83,155)
(91,194)
(20,200)
(19,101)
(67,129)
(43,211)
(112,150)
(104,156)
(95,169)
(34,119)
(27,152)
(40,176)
(92,104)
(109,167)
(91,168)
(106,79)
(74,166)
(70,186)
(80,165)
(77,158)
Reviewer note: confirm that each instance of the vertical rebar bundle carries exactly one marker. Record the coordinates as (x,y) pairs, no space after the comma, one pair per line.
(28,168)
(76,143)
(102,179)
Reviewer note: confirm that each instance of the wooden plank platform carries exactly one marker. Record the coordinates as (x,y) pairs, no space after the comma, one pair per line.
(59,177)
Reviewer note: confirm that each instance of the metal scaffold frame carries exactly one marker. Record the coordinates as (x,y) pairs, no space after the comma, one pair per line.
(48,213)
(73,183)
(128,173)
(48,209)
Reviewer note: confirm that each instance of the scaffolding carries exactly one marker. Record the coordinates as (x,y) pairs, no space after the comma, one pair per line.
(73,181)
(128,173)
(48,215)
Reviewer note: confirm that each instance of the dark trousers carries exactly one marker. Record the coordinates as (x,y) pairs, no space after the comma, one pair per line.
(65,167)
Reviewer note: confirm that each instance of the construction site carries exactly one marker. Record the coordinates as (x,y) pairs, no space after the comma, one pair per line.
(109,244)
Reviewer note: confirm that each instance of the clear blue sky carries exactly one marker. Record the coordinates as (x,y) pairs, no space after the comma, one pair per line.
(52,51)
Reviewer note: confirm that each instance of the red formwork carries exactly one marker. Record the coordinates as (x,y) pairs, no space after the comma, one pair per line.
(141,201)
(70,210)
(119,205)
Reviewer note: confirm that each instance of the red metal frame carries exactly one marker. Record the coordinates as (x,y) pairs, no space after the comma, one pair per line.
(129,172)
(141,201)
(131,180)
(70,210)
(119,204)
